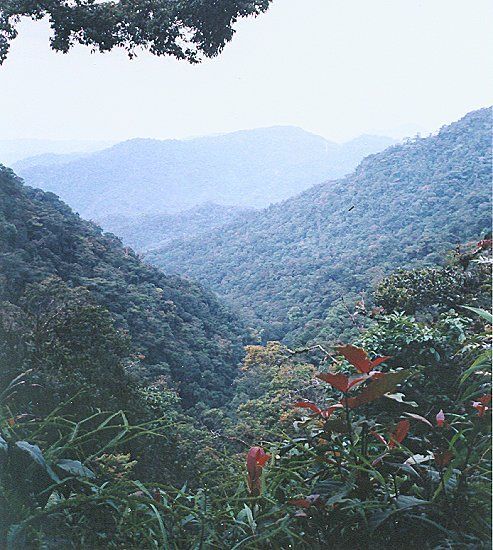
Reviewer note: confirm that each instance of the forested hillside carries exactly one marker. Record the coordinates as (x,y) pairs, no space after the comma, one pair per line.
(291,263)
(251,168)
(179,331)
(153,230)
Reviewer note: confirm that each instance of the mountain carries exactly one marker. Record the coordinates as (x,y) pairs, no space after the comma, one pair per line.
(15,150)
(179,330)
(251,168)
(154,230)
(292,263)
(46,159)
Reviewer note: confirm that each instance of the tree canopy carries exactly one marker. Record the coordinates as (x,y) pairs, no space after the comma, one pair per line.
(178,329)
(287,267)
(184,29)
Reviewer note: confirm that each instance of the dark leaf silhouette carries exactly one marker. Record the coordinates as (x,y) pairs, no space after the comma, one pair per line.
(378,388)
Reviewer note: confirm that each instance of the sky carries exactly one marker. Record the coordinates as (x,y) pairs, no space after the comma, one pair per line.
(338,68)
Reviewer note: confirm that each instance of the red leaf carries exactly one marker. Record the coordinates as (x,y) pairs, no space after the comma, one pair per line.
(443,459)
(379,437)
(486,399)
(378,388)
(440,418)
(356,381)
(300,503)
(485,244)
(359,358)
(328,412)
(420,418)
(480,407)
(256,460)
(262,460)
(380,360)
(338,381)
(356,356)
(308,405)
(400,433)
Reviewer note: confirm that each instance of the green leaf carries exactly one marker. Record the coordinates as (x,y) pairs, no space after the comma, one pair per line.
(399,397)
(481,312)
(405,501)
(402,502)
(16,537)
(35,453)
(479,363)
(75,468)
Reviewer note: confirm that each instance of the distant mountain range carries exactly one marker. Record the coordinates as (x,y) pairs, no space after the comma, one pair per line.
(289,265)
(16,150)
(251,168)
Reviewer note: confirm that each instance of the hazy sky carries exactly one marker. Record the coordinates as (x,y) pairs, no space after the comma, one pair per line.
(338,68)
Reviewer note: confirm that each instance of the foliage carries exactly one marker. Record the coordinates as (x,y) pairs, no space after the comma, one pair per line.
(149,231)
(271,379)
(78,364)
(186,30)
(63,483)
(434,290)
(362,479)
(177,329)
(288,265)
(384,443)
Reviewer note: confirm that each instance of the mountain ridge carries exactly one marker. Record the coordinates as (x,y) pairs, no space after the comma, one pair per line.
(248,168)
(402,207)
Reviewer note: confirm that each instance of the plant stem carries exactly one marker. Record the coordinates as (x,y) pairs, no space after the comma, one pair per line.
(442,481)
(348,419)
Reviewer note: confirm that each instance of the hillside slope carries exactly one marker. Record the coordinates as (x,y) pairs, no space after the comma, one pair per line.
(289,264)
(150,231)
(181,329)
(250,168)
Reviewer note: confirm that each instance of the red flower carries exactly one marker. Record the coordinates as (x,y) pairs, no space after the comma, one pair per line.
(359,358)
(256,460)
(440,418)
